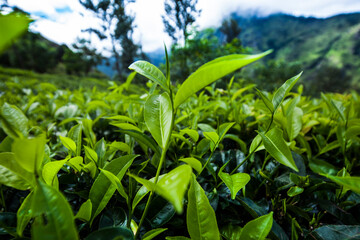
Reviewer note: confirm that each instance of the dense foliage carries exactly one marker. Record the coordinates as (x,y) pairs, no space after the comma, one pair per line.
(191,161)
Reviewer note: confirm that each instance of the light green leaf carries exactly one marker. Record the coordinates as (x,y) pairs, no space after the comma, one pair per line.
(275,144)
(266,101)
(293,191)
(102,189)
(151,72)
(122,118)
(281,93)
(120,146)
(200,216)
(12,174)
(294,123)
(50,171)
(84,212)
(352,183)
(142,138)
(12,26)
(192,133)
(193,162)
(158,118)
(256,144)
(24,214)
(322,167)
(223,129)
(91,154)
(153,233)
(211,72)
(115,181)
(76,163)
(234,182)
(172,186)
(75,134)
(29,153)
(214,139)
(258,228)
(13,120)
(328,147)
(177,238)
(53,217)
(68,143)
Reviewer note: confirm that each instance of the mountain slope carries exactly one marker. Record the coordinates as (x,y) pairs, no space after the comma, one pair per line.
(312,42)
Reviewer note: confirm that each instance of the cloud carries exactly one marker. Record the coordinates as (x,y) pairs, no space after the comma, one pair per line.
(62,20)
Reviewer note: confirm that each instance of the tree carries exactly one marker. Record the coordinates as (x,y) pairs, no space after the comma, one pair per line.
(180,15)
(116,26)
(231,29)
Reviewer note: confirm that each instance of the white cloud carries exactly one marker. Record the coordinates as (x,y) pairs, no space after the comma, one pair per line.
(65,27)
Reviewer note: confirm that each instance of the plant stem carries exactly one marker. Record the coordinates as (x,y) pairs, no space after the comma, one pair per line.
(162,159)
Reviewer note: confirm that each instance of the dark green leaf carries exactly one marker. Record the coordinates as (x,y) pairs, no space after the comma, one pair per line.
(114,233)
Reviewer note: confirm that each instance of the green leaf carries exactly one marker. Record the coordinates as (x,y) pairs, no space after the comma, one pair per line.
(258,228)
(12,26)
(336,232)
(231,232)
(200,216)
(281,93)
(266,101)
(50,171)
(24,214)
(172,186)
(352,183)
(102,189)
(122,118)
(120,146)
(113,233)
(53,217)
(331,146)
(223,129)
(91,154)
(153,233)
(84,212)
(76,163)
(192,133)
(158,118)
(211,72)
(275,144)
(214,139)
(293,191)
(13,120)
(234,182)
(193,162)
(141,137)
(151,72)
(115,181)
(177,238)
(294,123)
(322,167)
(12,174)
(75,134)
(29,153)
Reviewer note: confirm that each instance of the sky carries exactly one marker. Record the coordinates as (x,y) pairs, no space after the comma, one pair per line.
(62,20)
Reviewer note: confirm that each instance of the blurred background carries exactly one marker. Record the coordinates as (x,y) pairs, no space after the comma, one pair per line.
(99,39)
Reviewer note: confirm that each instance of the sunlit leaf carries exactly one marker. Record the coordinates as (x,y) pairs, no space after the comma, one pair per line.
(234,182)
(153,233)
(158,117)
(281,93)
(211,72)
(84,212)
(200,216)
(258,228)
(193,162)
(13,120)
(151,72)
(275,144)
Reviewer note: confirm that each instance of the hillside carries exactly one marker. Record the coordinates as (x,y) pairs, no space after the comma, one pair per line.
(314,43)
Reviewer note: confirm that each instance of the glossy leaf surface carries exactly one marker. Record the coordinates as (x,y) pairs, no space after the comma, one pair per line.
(275,144)
(13,120)
(158,118)
(234,182)
(200,216)
(281,93)
(258,228)
(211,72)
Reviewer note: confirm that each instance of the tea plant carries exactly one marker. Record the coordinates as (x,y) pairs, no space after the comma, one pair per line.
(178,162)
